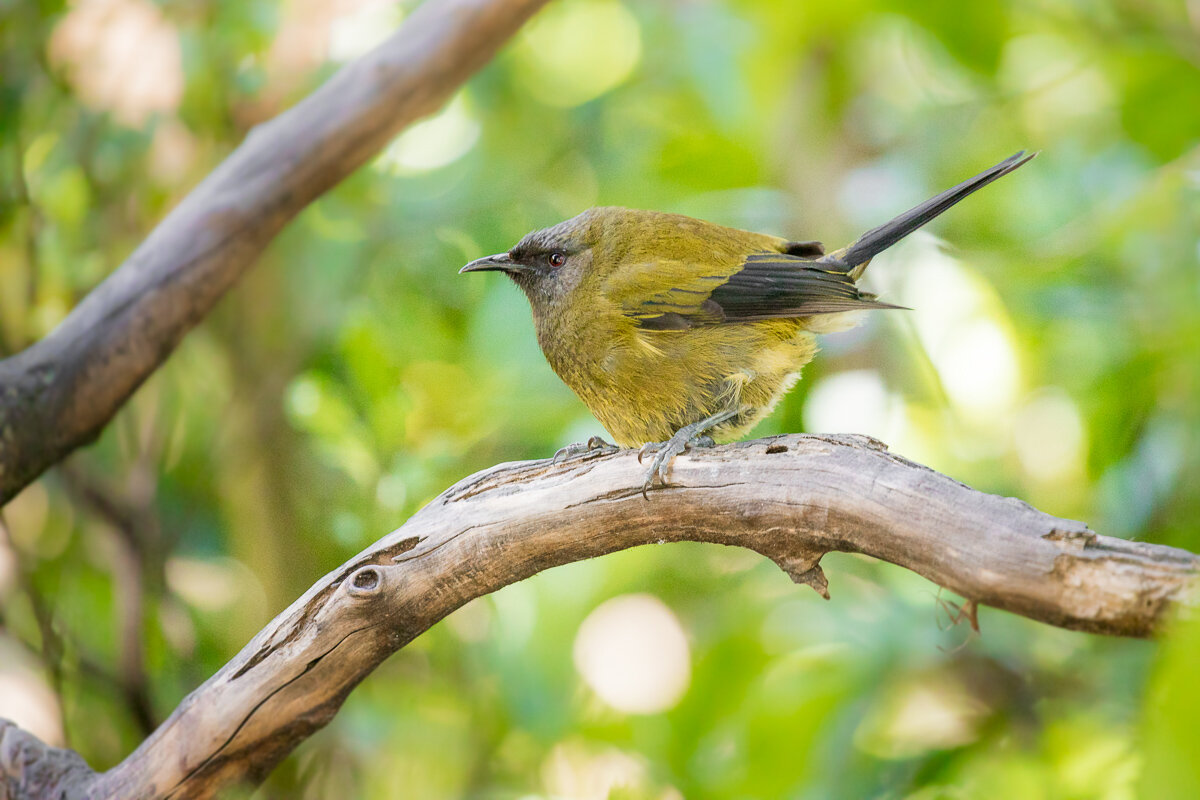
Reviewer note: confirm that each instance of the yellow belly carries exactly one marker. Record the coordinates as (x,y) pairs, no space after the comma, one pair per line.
(645,385)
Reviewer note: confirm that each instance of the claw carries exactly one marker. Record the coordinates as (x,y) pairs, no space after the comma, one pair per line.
(664,454)
(662,471)
(595,443)
(598,443)
(686,437)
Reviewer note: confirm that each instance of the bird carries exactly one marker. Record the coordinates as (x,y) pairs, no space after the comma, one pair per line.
(676,332)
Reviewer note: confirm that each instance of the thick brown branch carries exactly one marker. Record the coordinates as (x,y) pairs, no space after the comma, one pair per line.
(790,498)
(61,392)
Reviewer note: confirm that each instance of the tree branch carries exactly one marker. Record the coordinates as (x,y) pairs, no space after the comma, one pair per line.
(60,393)
(790,498)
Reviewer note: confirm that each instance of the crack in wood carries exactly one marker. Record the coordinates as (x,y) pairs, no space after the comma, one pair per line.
(254,709)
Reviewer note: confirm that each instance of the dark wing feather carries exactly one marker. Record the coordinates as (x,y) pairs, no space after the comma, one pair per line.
(768,285)
(854,257)
(773,285)
(802,249)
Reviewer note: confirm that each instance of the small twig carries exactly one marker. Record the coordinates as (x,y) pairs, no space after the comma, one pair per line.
(957,612)
(50,649)
(137,554)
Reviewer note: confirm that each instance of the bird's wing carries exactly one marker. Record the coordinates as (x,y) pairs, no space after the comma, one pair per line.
(772,285)
(675,295)
(668,294)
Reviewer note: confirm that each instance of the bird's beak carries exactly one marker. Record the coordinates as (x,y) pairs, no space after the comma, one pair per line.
(501,262)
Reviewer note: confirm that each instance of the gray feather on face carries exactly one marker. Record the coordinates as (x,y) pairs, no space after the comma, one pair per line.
(546,286)
(569,237)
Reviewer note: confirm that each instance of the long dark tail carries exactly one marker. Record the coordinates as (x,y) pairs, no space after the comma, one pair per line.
(853,258)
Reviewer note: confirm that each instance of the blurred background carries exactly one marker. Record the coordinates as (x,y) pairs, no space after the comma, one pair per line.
(1053,353)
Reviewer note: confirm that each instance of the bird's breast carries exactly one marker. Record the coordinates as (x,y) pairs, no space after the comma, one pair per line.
(582,348)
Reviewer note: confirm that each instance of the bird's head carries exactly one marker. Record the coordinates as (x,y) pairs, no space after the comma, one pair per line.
(550,264)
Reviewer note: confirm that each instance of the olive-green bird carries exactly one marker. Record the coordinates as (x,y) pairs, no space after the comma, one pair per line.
(670,328)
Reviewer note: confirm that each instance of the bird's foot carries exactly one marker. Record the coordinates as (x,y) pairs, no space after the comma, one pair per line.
(665,452)
(592,445)
(691,435)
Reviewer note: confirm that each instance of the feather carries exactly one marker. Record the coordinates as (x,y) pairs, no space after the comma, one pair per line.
(876,240)
(768,285)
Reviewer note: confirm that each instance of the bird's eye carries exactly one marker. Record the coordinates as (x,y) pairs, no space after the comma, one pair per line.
(557,259)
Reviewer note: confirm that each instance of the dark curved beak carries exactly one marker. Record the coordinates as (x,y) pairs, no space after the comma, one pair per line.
(501,262)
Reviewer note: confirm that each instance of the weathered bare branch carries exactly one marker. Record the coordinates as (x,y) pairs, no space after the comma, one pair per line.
(790,498)
(61,392)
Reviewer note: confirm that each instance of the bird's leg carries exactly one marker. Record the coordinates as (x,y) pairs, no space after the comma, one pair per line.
(578,448)
(688,436)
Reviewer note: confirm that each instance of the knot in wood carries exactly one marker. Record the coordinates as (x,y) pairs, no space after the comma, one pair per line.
(365,582)
(1073,538)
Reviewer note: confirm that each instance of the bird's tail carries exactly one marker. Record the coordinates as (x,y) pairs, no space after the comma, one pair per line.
(853,258)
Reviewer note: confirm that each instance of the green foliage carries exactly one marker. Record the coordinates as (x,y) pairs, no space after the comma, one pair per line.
(1172,748)
(1051,354)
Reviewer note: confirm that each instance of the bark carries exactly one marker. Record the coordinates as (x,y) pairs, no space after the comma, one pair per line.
(789,498)
(60,393)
